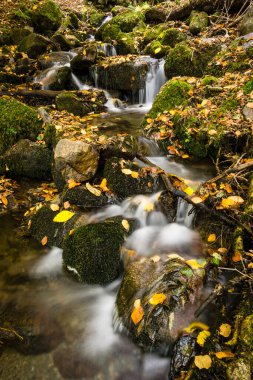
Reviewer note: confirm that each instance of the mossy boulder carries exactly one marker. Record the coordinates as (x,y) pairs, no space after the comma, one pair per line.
(17,121)
(155,15)
(79,103)
(128,184)
(42,225)
(28,159)
(184,60)
(93,251)
(156,49)
(12,78)
(34,45)
(198,21)
(173,93)
(87,57)
(161,323)
(62,42)
(119,146)
(171,37)
(81,196)
(46,17)
(127,21)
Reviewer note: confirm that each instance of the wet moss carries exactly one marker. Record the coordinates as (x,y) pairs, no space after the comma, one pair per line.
(46,17)
(94,251)
(82,197)
(174,93)
(17,121)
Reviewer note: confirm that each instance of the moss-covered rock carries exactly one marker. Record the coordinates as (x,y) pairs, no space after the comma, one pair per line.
(155,15)
(79,103)
(173,93)
(156,49)
(198,21)
(62,42)
(34,45)
(127,21)
(46,17)
(42,225)
(159,327)
(126,185)
(58,80)
(81,196)
(184,60)
(12,78)
(28,159)
(17,121)
(82,62)
(172,37)
(93,251)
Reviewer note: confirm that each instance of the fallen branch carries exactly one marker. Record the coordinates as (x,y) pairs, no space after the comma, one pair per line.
(232,169)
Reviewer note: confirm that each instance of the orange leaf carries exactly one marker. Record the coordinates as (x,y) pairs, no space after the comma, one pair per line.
(137,313)
(157,298)
(66,205)
(72,184)
(232,201)
(225,330)
(211,238)
(224,354)
(237,257)
(4,200)
(44,240)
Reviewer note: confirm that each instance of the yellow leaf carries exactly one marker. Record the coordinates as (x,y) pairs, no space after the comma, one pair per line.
(249,105)
(157,299)
(157,50)
(225,330)
(190,92)
(203,361)
(125,224)
(202,337)
(149,120)
(63,216)
(135,174)
(196,326)
(211,238)
(196,200)
(44,240)
(93,190)
(189,191)
(196,264)
(137,313)
(149,207)
(185,156)
(232,201)
(212,132)
(127,171)
(224,354)
(54,207)
(103,184)
(72,184)
(71,232)
(250,265)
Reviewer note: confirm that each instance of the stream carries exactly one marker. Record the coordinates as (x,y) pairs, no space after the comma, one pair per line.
(69,325)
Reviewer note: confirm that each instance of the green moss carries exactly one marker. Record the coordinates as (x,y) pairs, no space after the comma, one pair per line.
(171,37)
(153,33)
(70,102)
(198,21)
(96,18)
(156,49)
(125,44)
(34,45)
(172,94)
(94,251)
(127,20)
(46,17)
(82,197)
(16,121)
(209,80)
(248,87)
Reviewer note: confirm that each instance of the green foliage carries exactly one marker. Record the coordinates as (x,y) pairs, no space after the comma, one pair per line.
(248,87)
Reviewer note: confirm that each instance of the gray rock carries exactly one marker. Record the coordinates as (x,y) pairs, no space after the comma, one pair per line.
(248,111)
(74,160)
(246,25)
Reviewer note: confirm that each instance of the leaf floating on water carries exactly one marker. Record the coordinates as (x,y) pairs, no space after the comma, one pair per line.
(211,238)
(72,184)
(93,190)
(196,326)
(224,354)
(44,240)
(157,299)
(137,313)
(202,337)
(54,207)
(63,216)
(125,224)
(225,330)
(203,361)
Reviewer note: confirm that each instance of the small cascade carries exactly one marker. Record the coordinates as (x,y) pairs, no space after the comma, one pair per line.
(108,49)
(148,147)
(154,81)
(105,20)
(185,213)
(79,84)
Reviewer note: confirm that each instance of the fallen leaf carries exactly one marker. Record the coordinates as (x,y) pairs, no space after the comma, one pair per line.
(93,190)
(125,224)
(225,330)
(155,259)
(157,299)
(211,238)
(72,184)
(54,207)
(44,240)
(71,232)
(202,337)
(212,132)
(196,264)
(63,216)
(157,50)
(189,190)
(137,313)
(232,201)
(66,205)
(196,200)
(127,171)
(237,257)
(196,326)
(149,207)
(103,184)
(203,361)
(4,200)
(224,354)
(135,174)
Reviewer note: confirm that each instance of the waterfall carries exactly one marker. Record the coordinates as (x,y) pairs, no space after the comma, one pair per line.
(79,84)
(108,49)
(185,213)
(148,147)
(105,20)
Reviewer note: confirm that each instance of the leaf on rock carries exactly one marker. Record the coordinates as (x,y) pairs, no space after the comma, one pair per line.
(127,171)
(232,201)
(196,326)
(196,200)
(196,264)
(93,190)
(4,200)
(125,224)
(54,207)
(103,185)
(225,330)
(202,337)
(203,361)
(157,299)
(44,240)
(63,216)
(189,190)
(72,184)
(137,313)
(224,354)
(157,50)
(149,207)
(135,174)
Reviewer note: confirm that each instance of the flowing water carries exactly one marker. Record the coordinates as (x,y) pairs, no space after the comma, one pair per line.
(68,325)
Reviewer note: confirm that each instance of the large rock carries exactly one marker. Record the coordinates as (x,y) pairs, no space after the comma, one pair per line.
(74,160)
(34,45)
(46,17)
(17,121)
(87,57)
(28,159)
(161,323)
(246,25)
(55,79)
(155,15)
(93,251)
(82,197)
(80,103)
(198,21)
